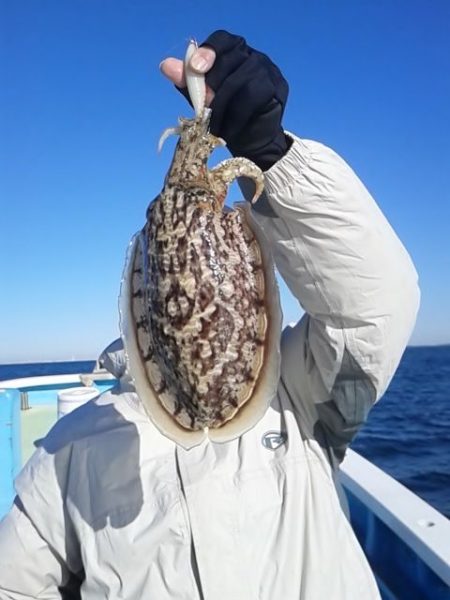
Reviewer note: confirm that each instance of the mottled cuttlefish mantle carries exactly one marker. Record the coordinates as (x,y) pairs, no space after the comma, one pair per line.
(200,314)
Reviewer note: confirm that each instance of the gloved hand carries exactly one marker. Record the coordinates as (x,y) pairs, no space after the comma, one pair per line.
(246,92)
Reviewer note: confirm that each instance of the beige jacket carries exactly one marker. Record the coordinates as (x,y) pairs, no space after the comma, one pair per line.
(109,503)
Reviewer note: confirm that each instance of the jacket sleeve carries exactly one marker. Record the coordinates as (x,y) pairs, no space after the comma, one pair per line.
(36,543)
(343,262)
(28,566)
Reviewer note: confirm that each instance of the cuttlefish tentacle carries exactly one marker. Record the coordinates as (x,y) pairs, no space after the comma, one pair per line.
(213,141)
(167,133)
(227,171)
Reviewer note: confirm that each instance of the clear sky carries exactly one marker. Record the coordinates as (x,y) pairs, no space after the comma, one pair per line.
(83,104)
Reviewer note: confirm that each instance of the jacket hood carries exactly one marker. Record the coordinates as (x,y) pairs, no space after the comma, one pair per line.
(113,358)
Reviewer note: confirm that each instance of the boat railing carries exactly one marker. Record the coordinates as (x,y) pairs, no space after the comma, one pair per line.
(387,514)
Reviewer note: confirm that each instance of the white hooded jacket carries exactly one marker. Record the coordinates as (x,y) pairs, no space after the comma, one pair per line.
(110,506)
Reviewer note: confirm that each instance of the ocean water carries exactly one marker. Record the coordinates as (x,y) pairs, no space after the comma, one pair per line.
(407,433)
(47,368)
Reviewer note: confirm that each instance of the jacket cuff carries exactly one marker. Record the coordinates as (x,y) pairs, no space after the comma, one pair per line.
(287,169)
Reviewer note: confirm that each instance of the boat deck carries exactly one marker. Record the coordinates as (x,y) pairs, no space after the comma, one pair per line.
(35,423)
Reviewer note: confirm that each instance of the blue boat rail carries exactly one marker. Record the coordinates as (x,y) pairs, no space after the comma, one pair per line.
(10,452)
(18,430)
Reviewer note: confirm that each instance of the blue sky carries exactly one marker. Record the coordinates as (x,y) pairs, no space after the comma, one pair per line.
(83,104)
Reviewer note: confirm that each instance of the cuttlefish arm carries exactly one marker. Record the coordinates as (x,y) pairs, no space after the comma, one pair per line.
(165,134)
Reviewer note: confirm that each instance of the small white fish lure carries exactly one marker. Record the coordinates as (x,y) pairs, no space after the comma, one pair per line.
(196,86)
(195,81)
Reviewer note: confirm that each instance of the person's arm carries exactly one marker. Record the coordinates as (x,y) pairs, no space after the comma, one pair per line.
(331,244)
(346,266)
(39,550)
(29,568)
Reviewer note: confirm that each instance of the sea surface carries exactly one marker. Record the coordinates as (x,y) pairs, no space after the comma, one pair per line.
(407,433)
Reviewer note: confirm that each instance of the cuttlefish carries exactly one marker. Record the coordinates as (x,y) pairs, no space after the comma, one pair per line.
(199,304)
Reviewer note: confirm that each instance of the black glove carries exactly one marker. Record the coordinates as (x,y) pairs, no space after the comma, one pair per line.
(250,96)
